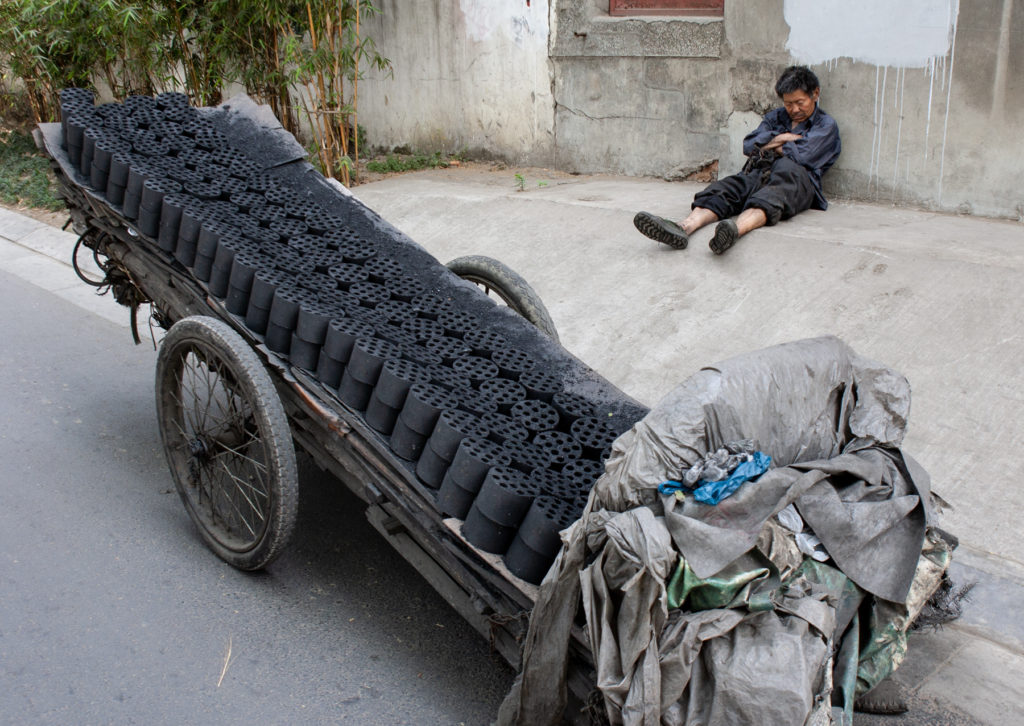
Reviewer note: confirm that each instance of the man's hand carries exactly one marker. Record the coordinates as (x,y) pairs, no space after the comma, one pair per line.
(779,140)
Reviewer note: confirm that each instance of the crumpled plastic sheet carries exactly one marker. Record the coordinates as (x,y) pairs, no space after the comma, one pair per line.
(833,423)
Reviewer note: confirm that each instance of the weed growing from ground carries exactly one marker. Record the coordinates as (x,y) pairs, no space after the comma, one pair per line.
(414,162)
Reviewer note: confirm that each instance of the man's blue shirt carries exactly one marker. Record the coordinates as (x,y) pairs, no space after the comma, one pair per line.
(817,151)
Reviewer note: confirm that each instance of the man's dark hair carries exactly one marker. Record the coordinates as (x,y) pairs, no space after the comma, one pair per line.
(797,78)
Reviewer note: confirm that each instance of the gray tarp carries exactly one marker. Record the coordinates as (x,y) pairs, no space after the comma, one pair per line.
(833,423)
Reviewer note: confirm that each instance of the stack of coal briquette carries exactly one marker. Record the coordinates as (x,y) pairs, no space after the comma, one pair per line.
(494,434)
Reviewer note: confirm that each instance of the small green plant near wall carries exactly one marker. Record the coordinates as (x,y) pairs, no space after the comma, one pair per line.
(25,178)
(520,183)
(413,162)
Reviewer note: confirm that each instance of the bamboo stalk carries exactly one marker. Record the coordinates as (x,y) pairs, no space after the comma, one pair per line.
(187,57)
(355,95)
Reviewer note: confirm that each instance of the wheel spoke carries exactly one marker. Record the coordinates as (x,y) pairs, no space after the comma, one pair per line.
(227,440)
(240,487)
(259,466)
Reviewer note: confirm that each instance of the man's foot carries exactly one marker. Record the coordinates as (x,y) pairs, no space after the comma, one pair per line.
(726,234)
(661,230)
(885,698)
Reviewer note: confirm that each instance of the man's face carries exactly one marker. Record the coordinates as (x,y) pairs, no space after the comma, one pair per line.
(799,105)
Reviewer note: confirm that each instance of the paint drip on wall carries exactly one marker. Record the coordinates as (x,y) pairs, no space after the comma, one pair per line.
(912,34)
(525,23)
(905,34)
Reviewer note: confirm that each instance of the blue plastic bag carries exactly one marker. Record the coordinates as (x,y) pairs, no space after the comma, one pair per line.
(712,492)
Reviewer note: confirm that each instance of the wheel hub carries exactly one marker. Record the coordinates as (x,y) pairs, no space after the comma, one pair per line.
(198,449)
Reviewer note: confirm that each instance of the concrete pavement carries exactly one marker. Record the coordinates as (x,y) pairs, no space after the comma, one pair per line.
(934,296)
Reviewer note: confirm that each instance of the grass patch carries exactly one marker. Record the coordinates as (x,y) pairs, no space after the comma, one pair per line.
(25,178)
(410,162)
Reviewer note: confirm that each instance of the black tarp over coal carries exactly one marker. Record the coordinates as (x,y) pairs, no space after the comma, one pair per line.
(700,614)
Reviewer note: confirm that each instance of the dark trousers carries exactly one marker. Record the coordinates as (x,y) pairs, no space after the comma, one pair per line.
(781,191)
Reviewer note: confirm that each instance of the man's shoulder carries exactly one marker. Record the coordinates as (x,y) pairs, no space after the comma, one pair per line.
(822,117)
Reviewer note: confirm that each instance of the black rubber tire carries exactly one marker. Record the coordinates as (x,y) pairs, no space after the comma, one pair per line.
(219,412)
(494,276)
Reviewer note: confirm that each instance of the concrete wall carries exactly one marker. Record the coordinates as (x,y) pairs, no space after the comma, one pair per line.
(928,93)
(468,74)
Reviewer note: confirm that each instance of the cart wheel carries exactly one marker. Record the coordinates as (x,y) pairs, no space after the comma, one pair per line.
(510,287)
(227,440)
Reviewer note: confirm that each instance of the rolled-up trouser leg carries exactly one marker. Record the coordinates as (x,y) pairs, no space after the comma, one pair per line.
(788,192)
(727,197)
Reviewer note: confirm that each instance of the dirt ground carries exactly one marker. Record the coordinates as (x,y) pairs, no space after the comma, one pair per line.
(55,219)
(495,173)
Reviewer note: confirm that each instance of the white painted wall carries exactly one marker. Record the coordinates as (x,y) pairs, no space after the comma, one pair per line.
(468,75)
(904,34)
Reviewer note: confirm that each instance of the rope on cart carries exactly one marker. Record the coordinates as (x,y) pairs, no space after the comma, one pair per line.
(117,279)
(496,620)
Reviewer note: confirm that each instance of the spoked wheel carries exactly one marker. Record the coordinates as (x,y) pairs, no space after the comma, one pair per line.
(499,280)
(227,441)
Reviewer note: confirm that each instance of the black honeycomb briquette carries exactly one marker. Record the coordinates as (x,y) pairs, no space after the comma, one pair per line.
(405,442)
(382,418)
(315,281)
(430,468)
(347,273)
(560,448)
(404,287)
(483,341)
(397,312)
(526,457)
(505,496)
(534,415)
(512,362)
(540,384)
(354,393)
(396,377)
(447,347)
(583,472)
(382,268)
(430,306)
(371,293)
(396,335)
(367,358)
(475,402)
(451,428)
(570,407)
(356,250)
(314,317)
(423,405)
(549,482)
(502,428)
(593,434)
(308,244)
(476,368)
(504,392)
(284,309)
(421,328)
(485,534)
(170,220)
(288,227)
(323,259)
(418,354)
(457,322)
(325,223)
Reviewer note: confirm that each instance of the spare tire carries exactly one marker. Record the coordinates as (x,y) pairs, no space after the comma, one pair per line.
(514,291)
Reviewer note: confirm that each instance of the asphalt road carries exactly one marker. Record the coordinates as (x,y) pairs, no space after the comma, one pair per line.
(113,611)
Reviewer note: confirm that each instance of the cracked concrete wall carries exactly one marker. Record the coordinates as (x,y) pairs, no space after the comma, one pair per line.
(468,75)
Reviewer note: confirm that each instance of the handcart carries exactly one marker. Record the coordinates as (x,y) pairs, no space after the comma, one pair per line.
(234,403)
